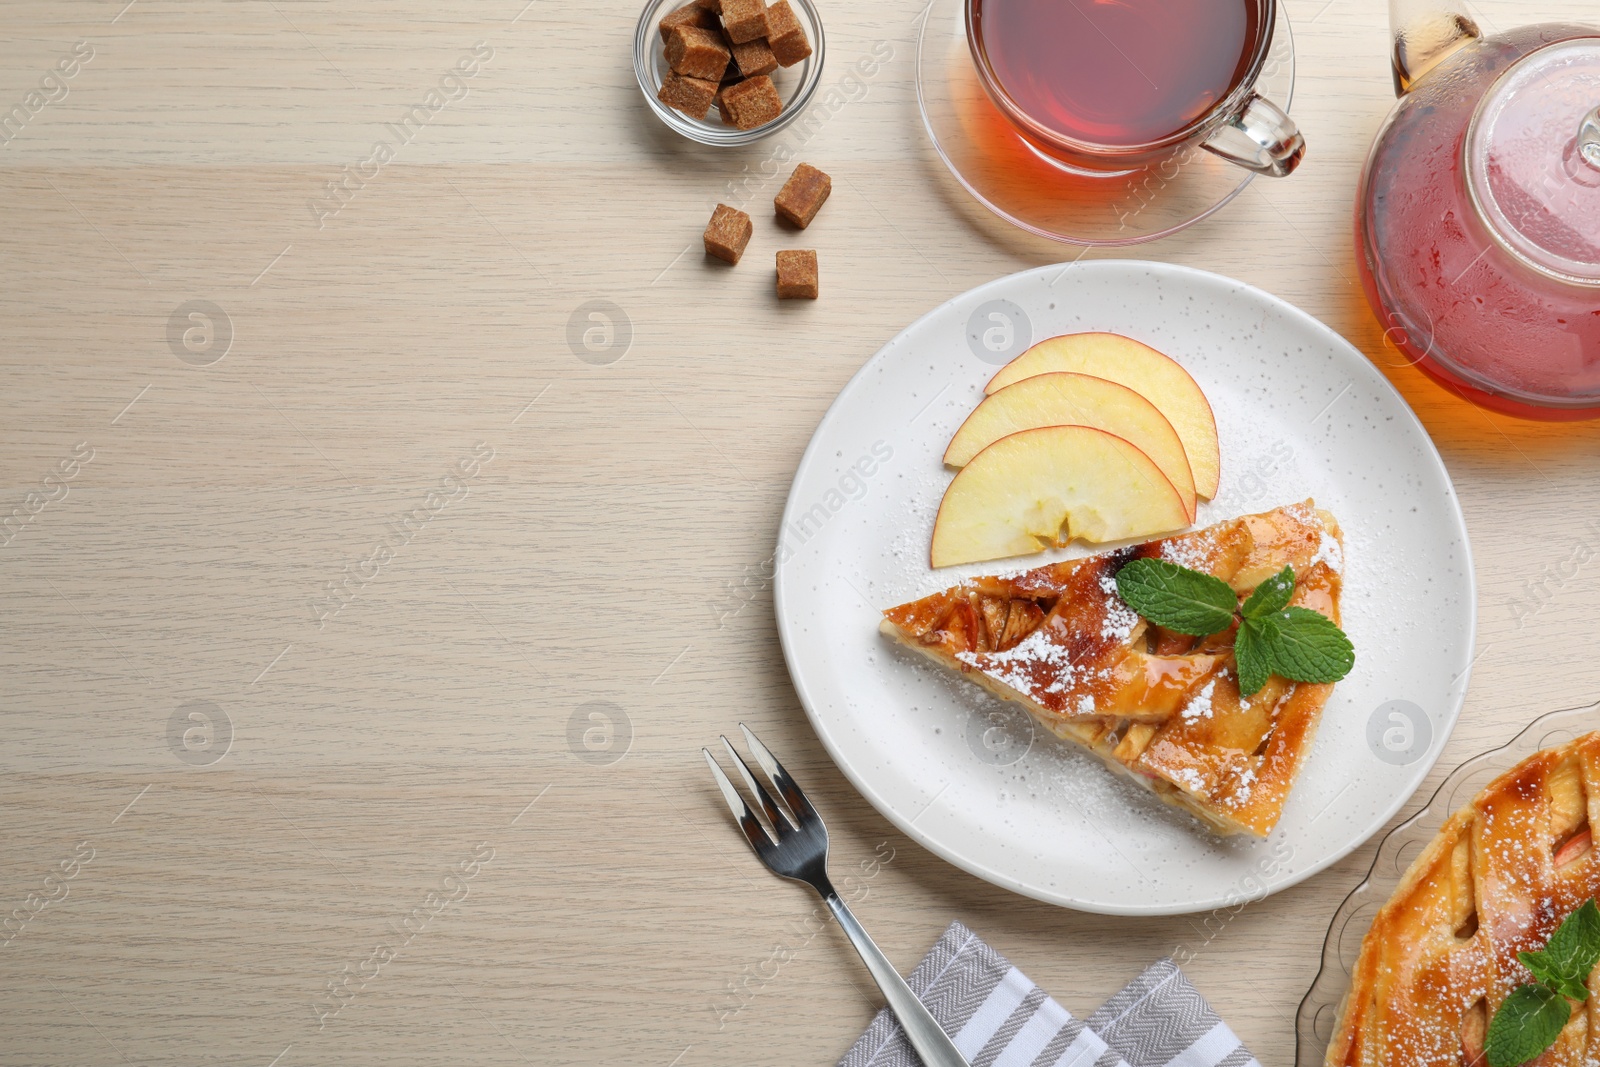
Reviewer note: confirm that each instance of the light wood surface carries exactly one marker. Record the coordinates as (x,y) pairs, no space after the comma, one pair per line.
(619,918)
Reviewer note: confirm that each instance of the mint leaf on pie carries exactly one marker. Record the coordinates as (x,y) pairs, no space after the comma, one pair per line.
(1528,1022)
(1530,1019)
(1297,643)
(1271,596)
(1574,948)
(1250,658)
(1177,598)
(1540,966)
(1304,646)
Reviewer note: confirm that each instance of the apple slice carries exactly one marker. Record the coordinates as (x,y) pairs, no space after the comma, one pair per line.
(1141,368)
(1065,399)
(1047,486)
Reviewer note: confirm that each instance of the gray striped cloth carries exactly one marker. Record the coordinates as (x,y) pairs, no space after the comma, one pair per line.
(997,1017)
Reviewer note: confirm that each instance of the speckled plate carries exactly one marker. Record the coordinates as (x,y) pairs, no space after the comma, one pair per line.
(1301,414)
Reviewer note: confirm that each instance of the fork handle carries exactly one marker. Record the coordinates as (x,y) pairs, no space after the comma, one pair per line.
(924,1031)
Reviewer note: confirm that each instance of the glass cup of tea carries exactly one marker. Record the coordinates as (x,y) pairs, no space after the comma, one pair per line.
(1103,87)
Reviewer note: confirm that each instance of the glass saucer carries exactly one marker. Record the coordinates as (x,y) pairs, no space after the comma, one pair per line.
(1025,187)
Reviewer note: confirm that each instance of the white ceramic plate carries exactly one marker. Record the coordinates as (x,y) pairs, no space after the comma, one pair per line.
(1301,414)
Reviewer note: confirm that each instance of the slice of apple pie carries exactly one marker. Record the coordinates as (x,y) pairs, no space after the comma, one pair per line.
(1159,706)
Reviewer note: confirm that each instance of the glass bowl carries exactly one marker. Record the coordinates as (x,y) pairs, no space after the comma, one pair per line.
(1319,1011)
(795,84)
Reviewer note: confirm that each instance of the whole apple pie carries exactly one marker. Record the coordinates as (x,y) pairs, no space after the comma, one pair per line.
(1453,942)
(1160,706)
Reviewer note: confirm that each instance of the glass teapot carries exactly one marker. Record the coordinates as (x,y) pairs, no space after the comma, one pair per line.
(1478,218)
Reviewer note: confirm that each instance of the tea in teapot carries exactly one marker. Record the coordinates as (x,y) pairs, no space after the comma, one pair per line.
(1478,218)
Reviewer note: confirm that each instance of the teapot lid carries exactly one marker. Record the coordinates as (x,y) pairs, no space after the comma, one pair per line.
(1533,159)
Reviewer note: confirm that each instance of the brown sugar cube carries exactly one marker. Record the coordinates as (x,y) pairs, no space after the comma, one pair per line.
(696,53)
(785,36)
(727,233)
(744,20)
(730,78)
(714,6)
(802,195)
(753,57)
(722,104)
(695,14)
(752,103)
(692,96)
(797,274)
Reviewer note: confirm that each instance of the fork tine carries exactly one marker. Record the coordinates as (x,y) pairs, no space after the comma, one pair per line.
(780,822)
(754,832)
(786,786)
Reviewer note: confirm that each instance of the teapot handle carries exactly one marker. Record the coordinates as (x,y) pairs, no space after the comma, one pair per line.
(1425,32)
(1589,138)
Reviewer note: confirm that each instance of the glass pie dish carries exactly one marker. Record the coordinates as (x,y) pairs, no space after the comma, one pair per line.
(1319,1011)
(796,84)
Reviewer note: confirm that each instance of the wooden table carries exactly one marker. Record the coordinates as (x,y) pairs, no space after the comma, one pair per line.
(280,748)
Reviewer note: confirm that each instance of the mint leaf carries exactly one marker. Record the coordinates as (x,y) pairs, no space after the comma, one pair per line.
(1305,646)
(1571,987)
(1250,658)
(1574,948)
(1297,643)
(1176,597)
(1271,596)
(1531,1018)
(1541,966)
(1528,1022)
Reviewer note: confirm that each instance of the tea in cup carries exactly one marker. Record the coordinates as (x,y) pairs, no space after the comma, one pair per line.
(1107,86)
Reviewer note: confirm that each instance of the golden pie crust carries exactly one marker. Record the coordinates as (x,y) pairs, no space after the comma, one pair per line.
(1497,879)
(1159,706)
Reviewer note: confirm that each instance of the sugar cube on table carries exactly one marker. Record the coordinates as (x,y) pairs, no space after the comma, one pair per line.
(797,274)
(728,233)
(802,195)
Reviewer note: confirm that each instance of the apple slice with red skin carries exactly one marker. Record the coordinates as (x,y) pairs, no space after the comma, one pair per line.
(1050,485)
(1157,377)
(1066,399)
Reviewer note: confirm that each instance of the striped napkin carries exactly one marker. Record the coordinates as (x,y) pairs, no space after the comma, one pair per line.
(997,1017)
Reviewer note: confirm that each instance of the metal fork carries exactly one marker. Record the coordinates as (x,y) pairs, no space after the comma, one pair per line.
(801,853)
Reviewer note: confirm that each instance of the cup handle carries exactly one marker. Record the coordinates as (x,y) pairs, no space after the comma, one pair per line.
(1261,138)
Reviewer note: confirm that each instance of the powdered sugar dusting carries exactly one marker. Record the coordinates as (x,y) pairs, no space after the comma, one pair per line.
(1189,778)
(1243,785)
(1193,551)
(1329,552)
(1119,621)
(1017,667)
(1302,512)
(1199,706)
